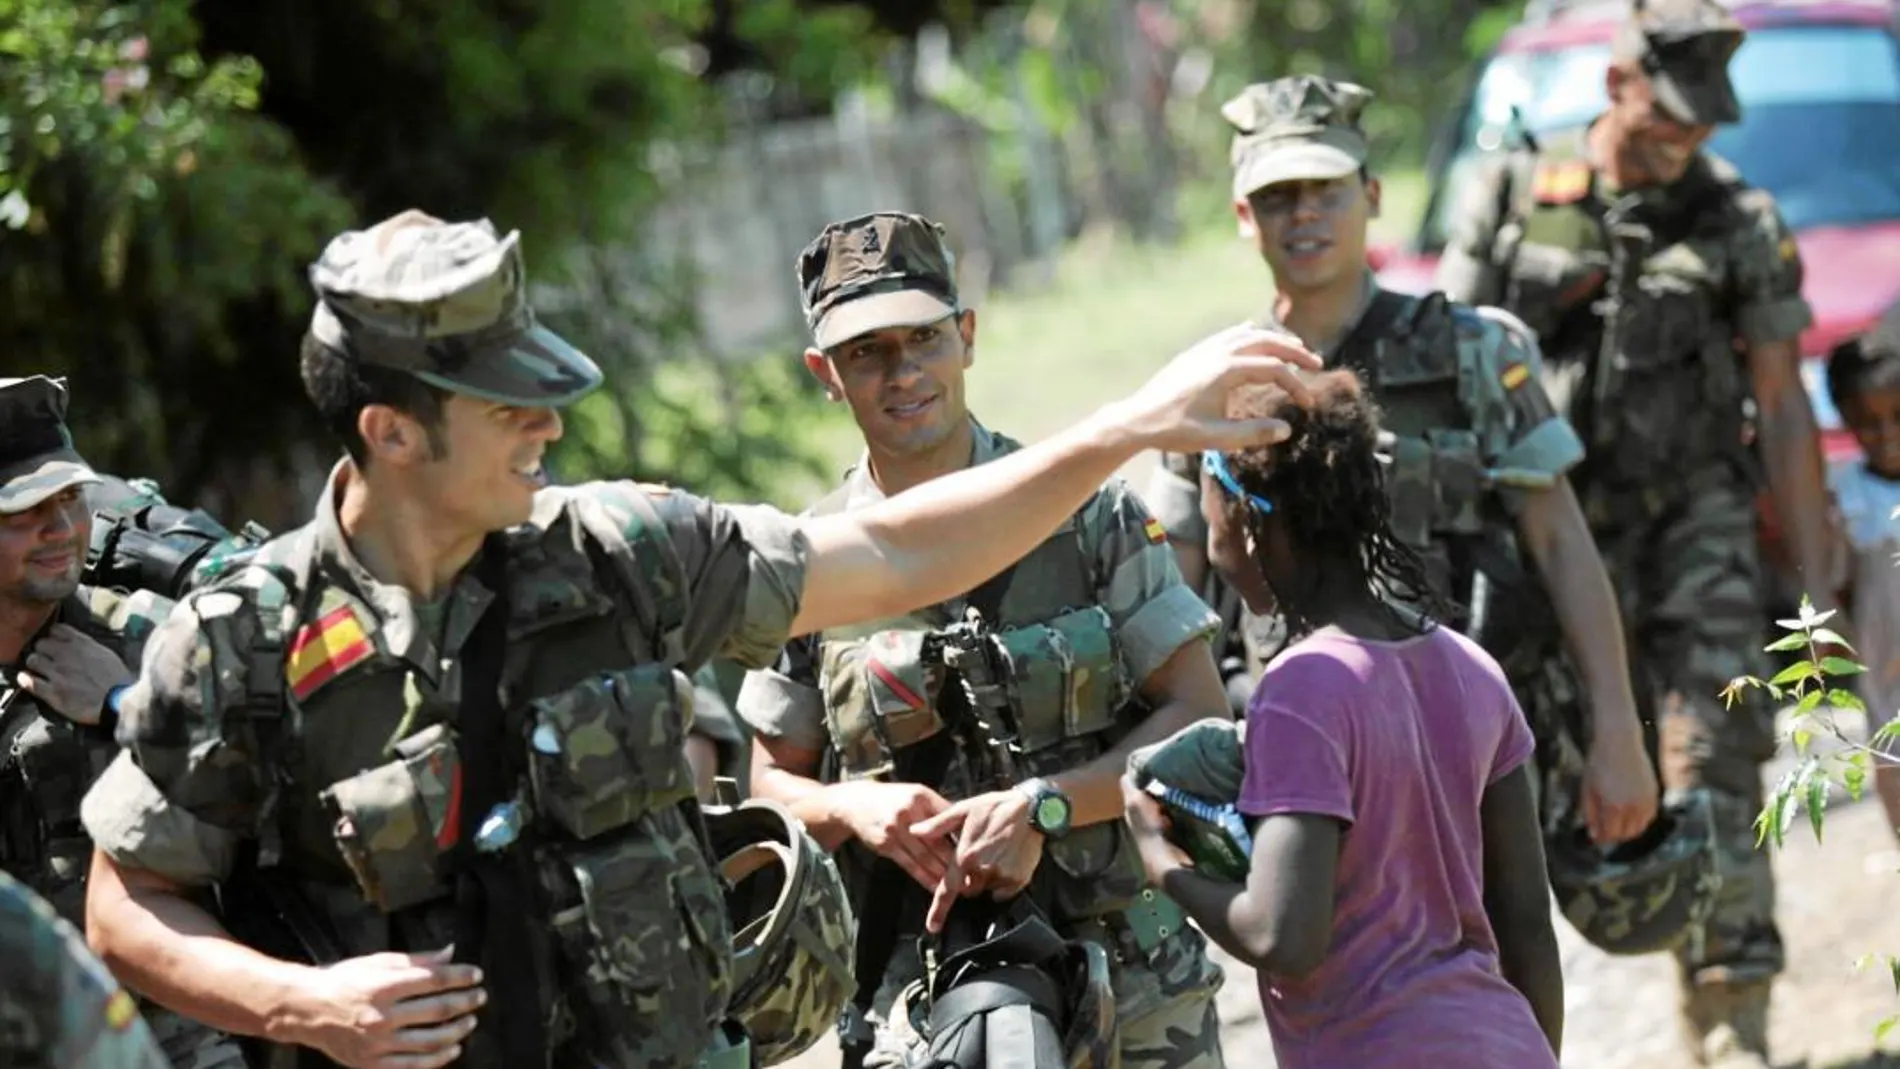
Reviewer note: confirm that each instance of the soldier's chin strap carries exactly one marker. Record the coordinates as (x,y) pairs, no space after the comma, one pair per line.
(492,905)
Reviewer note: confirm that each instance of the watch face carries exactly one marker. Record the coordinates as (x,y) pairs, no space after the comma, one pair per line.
(1052,812)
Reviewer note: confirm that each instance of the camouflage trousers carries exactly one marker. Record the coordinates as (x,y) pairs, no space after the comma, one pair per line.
(1165,1011)
(188,1044)
(1688,578)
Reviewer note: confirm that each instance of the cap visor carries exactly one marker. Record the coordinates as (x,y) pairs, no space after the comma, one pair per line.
(1711,103)
(1302,161)
(879,311)
(537,368)
(26,484)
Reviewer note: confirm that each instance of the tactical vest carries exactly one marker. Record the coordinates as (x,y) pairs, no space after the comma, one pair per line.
(635,945)
(1630,296)
(1067,688)
(1415,356)
(47,762)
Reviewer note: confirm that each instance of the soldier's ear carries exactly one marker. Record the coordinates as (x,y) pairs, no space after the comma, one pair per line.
(1243,219)
(966,327)
(821,369)
(1374,191)
(391,436)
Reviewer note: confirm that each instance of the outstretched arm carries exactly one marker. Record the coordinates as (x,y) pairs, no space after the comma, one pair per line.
(947,536)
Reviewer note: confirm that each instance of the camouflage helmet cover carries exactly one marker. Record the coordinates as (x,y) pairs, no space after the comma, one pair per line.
(873,272)
(1205,759)
(793,928)
(1647,895)
(1294,129)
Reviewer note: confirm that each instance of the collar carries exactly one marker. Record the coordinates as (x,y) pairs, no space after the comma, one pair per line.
(985,445)
(1368,289)
(396,622)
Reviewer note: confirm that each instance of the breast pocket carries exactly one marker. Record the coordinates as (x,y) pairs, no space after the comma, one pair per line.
(610,749)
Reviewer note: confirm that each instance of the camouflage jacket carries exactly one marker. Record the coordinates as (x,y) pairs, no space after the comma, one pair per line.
(59,1007)
(302,707)
(1475,434)
(1106,593)
(48,761)
(1639,299)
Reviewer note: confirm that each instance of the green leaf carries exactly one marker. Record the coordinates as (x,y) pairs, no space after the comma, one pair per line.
(1795,672)
(1809,702)
(1787,642)
(1885,1026)
(1802,736)
(1841,666)
(1854,778)
(1787,806)
(1825,636)
(1818,789)
(1846,699)
(1893,970)
(1861,963)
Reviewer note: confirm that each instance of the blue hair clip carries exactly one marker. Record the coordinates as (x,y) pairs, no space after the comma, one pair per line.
(1217,464)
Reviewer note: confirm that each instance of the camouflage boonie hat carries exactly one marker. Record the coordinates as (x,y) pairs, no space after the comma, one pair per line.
(886,269)
(1684,46)
(448,303)
(1297,129)
(37,458)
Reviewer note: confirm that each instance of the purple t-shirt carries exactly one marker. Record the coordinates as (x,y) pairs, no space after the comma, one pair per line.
(1399,741)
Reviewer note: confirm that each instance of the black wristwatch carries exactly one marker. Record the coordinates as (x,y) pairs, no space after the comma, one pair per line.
(1049,808)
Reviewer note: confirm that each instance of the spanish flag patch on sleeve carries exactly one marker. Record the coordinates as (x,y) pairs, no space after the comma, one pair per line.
(1156,533)
(325,649)
(1515,375)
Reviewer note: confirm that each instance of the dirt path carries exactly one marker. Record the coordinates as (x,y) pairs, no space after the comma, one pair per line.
(1838,900)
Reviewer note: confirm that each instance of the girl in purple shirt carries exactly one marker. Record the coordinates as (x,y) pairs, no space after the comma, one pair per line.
(1396,909)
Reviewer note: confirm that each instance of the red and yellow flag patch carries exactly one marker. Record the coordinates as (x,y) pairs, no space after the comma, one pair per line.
(1561,182)
(121,1010)
(1156,533)
(336,642)
(1515,375)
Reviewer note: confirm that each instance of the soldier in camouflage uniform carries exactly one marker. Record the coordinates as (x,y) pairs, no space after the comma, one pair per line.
(893,340)
(59,1007)
(66,650)
(1478,479)
(1666,292)
(437,732)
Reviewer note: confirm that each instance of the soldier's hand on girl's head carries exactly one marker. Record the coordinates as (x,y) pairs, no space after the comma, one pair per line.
(1183,408)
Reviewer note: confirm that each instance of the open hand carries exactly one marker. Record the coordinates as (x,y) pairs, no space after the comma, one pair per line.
(1183,408)
(883,816)
(391,1011)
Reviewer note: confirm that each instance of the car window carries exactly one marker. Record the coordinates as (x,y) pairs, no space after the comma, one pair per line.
(1808,93)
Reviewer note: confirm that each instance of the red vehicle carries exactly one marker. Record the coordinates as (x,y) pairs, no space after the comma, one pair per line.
(1819,82)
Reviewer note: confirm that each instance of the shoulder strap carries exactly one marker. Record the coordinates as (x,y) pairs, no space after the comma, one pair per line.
(1359,348)
(642,554)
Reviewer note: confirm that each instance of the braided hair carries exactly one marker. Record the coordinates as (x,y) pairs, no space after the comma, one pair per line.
(1327,485)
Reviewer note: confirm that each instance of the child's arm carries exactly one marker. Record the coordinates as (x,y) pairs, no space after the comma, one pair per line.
(1281,922)
(1517,899)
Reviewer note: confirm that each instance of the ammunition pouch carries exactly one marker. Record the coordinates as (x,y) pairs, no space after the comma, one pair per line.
(611,749)
(396,824)
(640,922)
(162,548)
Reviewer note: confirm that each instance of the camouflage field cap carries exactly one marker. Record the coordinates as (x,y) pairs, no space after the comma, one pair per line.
(1684,46)
(1296,129)
(448,303)
(886,269)
(37,458)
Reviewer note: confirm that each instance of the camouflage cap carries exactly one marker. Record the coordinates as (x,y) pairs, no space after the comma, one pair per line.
(37,458)
(1300,128)
(1684,46)
(448,303)
(886,269)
